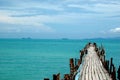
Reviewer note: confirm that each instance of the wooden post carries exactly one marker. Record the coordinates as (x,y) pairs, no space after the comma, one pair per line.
(95,45)
(71,67)
(58,76)
(85,52)
(111,65)
(103,51)
(98,53)
(66,77)
(76,68)
(89,43)
(104,58)
(118,76)
(108,65)
(46,79)
(105,65)
(113,74)
(54,77)
(96,49)
(79,62)
(75,61)
(81,55)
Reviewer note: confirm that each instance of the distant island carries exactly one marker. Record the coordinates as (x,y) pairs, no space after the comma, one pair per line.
(27,38)
(102,38)
(65,39)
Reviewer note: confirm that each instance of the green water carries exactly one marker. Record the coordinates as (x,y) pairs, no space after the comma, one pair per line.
(34,59)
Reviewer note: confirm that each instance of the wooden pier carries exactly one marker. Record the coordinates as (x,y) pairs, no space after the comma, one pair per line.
(92,65)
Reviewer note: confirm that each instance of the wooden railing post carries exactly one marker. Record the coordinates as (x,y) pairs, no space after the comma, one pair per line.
(46,79)
(76,64)
(118,76)
(56,77)
(95,45)
(66,77)
(89,43)
(75,61)
(71,67)
(111,63)
(106,65)
(113,74)
(79,62)
(81,55)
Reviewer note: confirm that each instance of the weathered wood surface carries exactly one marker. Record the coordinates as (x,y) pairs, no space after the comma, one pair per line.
(92,67)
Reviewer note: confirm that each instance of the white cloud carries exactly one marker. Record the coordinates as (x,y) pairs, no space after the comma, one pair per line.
(115,30)
(42,6)
(30,4)
(107,9)
(31,23)
(39,21)
(5,17)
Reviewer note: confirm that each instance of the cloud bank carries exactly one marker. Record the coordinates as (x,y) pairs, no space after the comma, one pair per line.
(115,30)
(59,16)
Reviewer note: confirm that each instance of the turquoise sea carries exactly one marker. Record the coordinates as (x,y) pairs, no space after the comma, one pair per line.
(35,59)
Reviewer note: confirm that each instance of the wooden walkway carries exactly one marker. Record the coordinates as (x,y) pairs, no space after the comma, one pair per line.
(92,67)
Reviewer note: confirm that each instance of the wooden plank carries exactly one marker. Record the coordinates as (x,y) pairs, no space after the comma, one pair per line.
(95,72)
(83,77)
(102,72)
(86,73)
(98,71)
(90,67)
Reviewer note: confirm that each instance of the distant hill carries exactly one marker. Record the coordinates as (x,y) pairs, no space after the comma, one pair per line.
(102,38)
(113,38)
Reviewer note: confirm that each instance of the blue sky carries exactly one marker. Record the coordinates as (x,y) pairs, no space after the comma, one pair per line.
(75,19)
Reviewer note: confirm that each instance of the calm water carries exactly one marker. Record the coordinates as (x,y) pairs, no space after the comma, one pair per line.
(36,59)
